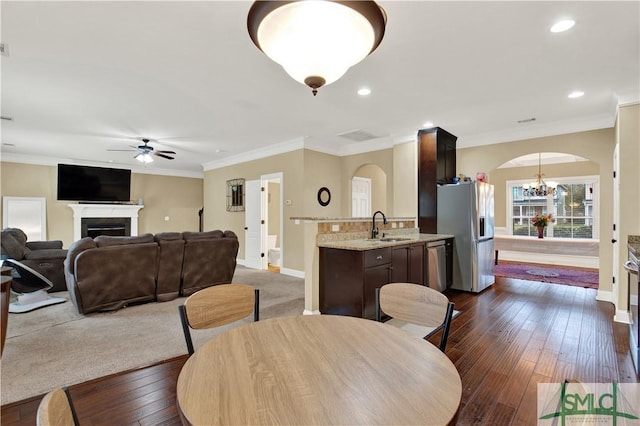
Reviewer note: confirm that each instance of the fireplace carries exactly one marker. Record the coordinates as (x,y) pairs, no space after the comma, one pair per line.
(116,226)
(105,219)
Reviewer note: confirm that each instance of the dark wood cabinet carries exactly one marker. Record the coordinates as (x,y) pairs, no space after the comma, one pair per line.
(348,280)
(436,164)
(408,264)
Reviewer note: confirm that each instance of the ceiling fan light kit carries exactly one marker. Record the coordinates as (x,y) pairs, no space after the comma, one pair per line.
(316,41)
(146,152)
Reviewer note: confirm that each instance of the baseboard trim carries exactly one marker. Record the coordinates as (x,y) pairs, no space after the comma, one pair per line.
(550,259)
(605,296)
(308,312)
(623,317)
(292,272)
(284,271)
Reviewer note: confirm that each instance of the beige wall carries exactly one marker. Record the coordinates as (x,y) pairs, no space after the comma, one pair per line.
(596,145)
(628,139)
(291,165)
(176,197)
(304,173)
(405,180)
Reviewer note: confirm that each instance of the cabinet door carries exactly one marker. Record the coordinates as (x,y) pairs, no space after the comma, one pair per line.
(415,268)
(400,264)
(374,277)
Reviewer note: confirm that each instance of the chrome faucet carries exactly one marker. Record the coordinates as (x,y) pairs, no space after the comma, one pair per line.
(374,230)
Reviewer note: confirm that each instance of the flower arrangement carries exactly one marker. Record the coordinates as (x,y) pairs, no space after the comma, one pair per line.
(542,220)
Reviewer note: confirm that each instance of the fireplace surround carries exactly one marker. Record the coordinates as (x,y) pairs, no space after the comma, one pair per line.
(110,217)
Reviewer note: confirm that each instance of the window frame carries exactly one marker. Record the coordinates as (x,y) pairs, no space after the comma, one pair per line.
(594,180)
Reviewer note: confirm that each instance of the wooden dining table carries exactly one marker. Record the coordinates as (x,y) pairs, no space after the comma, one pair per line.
(318,370)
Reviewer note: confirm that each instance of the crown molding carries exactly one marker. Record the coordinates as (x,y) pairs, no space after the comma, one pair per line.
(532,131)
(256,154)
(54,161)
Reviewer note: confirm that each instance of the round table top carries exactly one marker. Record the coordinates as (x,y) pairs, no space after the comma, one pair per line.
(318,369)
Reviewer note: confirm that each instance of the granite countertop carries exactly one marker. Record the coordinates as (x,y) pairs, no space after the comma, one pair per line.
(346,219)
(392,240)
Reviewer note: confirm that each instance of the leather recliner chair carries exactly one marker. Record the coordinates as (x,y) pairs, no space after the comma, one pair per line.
(45,257)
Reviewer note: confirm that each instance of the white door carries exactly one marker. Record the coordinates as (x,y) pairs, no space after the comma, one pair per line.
(360,197)
(252,225)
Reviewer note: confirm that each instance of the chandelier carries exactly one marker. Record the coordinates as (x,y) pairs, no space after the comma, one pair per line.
(316,41)
(539,188)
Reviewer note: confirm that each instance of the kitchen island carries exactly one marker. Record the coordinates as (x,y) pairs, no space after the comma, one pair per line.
(351,269)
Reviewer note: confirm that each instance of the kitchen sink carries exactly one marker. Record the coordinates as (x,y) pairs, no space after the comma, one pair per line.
(393,239)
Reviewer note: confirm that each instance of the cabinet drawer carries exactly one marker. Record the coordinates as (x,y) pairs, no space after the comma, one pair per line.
(377,257)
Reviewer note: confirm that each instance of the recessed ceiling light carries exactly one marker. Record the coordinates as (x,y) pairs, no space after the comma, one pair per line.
(575,94)
(364,91)
(563,25)
(428,125)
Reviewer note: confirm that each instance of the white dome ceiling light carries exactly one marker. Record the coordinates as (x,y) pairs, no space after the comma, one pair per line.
(563,25)
(316,41)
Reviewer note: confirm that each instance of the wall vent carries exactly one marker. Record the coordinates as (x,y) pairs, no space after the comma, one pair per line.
(527,120)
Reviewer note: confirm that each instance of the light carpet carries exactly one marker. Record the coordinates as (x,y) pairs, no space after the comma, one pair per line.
(55,346)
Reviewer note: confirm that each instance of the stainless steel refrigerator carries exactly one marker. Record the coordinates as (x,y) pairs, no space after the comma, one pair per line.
(465,210)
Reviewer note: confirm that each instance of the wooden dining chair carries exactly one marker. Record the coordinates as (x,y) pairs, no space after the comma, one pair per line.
(216,306)
(56,409)
(419,310)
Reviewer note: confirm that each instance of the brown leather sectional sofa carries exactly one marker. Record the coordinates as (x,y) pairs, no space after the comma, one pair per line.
(108,273)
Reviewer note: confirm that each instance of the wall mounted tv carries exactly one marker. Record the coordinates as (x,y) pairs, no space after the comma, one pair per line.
(93,184)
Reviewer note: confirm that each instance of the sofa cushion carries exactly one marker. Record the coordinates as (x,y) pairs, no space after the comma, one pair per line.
(202,235)
(76,248)
(230,234)
(14,243)
(168,236)
(109,240)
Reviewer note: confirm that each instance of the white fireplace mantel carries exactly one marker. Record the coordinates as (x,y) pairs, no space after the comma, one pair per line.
(104,210)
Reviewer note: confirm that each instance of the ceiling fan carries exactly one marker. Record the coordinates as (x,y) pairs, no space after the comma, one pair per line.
(145,152)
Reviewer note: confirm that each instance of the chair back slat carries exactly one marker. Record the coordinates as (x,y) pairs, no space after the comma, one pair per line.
(55,409)
(414,303)
(219,305)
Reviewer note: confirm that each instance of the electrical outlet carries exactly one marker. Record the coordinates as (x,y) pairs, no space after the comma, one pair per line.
(401,224)
(287,202)
(335,228)
(394,225)
(166,218)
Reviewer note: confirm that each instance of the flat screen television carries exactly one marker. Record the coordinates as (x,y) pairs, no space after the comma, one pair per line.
(93,184)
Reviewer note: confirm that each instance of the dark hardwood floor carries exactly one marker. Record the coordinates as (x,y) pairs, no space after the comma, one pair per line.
(506,340)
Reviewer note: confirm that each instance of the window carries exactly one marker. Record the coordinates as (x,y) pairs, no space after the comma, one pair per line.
(574,207)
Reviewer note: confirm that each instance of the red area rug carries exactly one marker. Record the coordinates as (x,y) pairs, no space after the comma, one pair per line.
(580,277)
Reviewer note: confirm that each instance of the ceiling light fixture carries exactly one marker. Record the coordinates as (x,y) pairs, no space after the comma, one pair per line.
(364,91)
(563,25)
(539,188)
(144,158)
(575,94)
(316,41)
(428,125)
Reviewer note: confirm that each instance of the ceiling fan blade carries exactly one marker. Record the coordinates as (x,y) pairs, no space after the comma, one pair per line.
(166,152)
(116,150)
(163,156)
